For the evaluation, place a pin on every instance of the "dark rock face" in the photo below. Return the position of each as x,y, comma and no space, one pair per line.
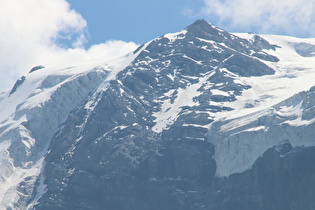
36,68
107,155
274,182
305,49
17,84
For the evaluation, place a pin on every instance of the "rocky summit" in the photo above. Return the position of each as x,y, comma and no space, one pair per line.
198,119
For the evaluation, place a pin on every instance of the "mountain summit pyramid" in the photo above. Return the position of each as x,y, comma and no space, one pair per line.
198,119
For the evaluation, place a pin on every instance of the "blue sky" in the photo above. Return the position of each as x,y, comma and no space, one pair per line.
138,20
50,32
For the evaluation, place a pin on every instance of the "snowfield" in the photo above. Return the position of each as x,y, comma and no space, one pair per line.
267,97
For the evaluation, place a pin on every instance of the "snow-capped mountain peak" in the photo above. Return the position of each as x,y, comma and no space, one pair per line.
182,122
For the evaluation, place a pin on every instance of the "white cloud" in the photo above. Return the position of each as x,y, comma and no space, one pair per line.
31,30
293,17
96,54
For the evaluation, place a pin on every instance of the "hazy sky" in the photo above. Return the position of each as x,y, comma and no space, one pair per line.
45,32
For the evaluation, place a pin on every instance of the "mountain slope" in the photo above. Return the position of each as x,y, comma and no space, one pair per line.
32,112
199,119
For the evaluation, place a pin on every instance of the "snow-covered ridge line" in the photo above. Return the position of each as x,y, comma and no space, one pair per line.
37,108
174,36
95,98
294,74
